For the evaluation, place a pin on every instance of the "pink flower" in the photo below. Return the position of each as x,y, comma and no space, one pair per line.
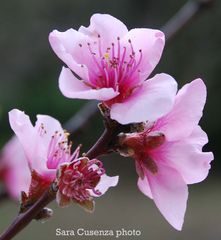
16,174
113,65
46,148
168,154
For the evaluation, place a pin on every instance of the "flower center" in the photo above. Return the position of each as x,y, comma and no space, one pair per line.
116,67
59,150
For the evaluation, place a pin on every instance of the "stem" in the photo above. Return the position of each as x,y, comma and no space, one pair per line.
100,147
105,142
23,219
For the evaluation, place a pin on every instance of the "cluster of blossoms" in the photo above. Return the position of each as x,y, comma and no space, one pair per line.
111,64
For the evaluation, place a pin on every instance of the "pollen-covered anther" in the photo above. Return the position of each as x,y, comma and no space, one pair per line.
106,56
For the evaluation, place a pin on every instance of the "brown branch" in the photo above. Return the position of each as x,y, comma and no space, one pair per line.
100,147
23,219
106,143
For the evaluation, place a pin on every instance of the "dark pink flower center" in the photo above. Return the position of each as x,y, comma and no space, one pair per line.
117,68
59,150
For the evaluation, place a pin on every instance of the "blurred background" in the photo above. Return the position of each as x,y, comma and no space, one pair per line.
29,73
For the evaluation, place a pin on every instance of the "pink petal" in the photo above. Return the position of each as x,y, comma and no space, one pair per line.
71,87
151,42
21,125
17,177
105,183
108,27
186,113
66,46
170,194
152,100
51,125
29,138
198,137
144,186
187,157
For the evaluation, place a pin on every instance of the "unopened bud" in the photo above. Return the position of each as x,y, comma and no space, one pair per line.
44,215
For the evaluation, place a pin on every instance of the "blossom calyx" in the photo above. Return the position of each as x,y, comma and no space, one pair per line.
136,144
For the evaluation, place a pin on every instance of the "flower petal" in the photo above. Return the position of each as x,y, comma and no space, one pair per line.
17,177
108,27
151,43
187,157
30,140
152,100
49,126
66,45
186,113
105,183
26,133
170,194
144,187
71,87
